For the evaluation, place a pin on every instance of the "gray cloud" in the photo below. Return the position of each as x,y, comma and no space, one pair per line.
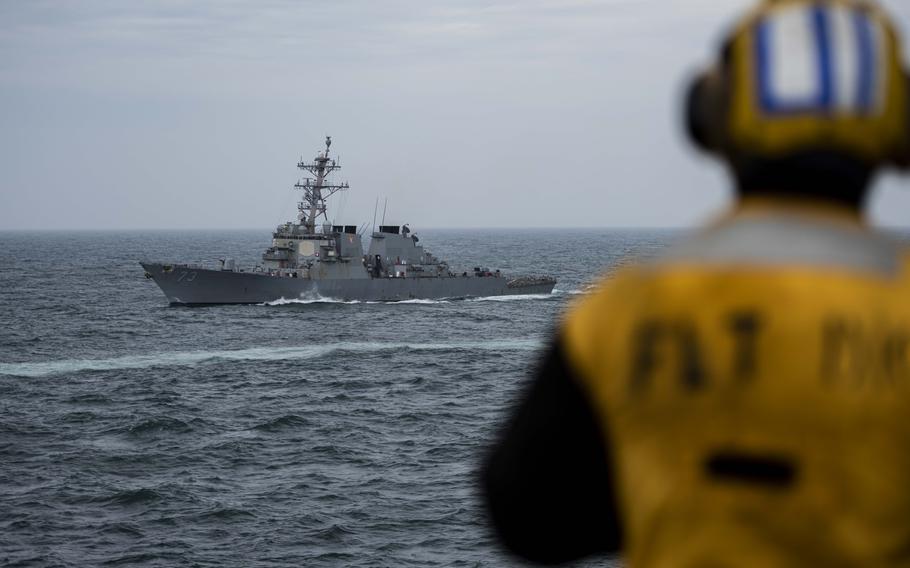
462,113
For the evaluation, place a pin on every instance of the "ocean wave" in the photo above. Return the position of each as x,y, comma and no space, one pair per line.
325,300
89,398
159,424
138,496
583,289
424,301
286,422
334,533
512,298
227,514
194,358
308,300
122,529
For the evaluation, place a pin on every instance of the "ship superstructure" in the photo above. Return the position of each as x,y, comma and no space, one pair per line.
315,258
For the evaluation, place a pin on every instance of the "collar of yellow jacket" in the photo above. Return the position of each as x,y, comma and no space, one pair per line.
795,208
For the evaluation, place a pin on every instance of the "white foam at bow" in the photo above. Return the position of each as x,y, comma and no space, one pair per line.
308,299
325,300
512,298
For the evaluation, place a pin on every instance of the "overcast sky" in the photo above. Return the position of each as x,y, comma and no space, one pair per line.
463,113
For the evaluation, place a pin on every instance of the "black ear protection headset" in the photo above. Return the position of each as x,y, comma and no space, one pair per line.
707,110
707,105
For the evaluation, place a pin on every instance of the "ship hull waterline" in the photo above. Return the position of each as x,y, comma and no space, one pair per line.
191,286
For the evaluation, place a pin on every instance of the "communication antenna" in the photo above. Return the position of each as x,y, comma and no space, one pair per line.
383,210
375,207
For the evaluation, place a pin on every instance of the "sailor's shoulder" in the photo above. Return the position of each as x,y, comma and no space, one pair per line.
613,298
617,283
905,263
789,240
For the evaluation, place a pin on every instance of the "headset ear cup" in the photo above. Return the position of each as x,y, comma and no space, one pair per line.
902,160
703,114
695,120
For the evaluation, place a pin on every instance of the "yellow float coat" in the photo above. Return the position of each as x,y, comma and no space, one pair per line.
781,336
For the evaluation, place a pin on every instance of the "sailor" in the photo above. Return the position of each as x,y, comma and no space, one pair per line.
743,400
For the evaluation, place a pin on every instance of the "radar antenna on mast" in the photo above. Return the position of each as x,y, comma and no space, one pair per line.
316,191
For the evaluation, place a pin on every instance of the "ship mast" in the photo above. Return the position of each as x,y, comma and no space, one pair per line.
316,191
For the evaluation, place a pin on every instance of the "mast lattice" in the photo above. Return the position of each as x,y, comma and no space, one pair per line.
316,191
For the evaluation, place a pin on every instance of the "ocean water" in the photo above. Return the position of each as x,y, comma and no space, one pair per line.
294,434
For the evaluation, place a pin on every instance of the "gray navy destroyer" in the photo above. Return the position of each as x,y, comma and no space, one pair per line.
310,261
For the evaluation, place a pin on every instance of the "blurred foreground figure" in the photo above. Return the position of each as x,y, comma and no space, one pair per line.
745,399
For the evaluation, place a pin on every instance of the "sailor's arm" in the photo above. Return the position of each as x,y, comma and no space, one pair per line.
547,482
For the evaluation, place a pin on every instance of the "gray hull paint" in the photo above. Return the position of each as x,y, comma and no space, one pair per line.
199,286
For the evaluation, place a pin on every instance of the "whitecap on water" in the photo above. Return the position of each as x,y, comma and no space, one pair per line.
308,300
193,358
512,298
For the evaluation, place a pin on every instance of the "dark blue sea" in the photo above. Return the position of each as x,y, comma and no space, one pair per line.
311,434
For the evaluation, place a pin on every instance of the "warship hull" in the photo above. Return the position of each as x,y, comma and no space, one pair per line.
194,286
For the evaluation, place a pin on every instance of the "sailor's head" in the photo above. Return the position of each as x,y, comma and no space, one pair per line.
808,97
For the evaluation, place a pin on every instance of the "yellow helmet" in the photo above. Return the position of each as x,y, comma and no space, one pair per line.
801,76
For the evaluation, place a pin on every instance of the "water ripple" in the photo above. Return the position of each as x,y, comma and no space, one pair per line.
308,434
194,358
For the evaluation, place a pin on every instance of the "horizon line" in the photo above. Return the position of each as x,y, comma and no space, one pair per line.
451,228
